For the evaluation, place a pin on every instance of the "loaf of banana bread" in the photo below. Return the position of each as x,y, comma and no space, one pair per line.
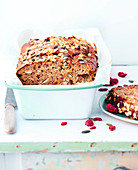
57,60
125,99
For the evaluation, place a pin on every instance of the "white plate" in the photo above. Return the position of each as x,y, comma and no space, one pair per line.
119,116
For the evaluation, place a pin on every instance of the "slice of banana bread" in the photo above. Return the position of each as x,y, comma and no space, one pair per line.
57,60
125,99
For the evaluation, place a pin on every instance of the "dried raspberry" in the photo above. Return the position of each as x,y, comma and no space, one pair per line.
122,74
111,108
89,122
63,123
98,119
93,127
113,81
102,89
112,128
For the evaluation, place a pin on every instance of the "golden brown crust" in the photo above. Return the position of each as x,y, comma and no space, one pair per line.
58,53
125,99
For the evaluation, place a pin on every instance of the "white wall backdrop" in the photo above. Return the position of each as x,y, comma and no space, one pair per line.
117,21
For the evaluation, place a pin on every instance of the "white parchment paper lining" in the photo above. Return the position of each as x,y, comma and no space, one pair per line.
92,35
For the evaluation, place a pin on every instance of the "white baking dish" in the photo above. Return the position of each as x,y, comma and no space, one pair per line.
62,101
43,103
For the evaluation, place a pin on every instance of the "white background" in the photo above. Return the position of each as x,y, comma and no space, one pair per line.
117,21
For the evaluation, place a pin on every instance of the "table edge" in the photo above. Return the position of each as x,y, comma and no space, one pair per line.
38,147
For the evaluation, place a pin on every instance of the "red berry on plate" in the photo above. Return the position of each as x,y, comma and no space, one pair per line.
111,108
89,122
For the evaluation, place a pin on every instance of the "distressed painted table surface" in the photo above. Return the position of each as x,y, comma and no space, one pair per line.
36,135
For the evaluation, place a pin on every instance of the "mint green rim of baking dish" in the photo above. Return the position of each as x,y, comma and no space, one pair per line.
37,88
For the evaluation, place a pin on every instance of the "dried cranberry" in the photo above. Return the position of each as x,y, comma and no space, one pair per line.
63,123
102,89
111,108
89,122
122,74
98,119
93,127
125,85
112,128
113,81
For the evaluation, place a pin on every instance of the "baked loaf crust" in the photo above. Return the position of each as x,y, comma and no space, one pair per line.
57,60
125,99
